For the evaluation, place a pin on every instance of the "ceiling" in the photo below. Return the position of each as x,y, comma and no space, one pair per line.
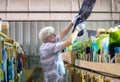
56,9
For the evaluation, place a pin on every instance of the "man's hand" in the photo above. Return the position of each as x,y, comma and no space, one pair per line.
73,21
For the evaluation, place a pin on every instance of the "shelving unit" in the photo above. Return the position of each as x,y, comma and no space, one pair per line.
111,68
88,69
9,46
3,35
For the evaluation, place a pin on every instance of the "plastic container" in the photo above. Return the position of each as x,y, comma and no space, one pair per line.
117,49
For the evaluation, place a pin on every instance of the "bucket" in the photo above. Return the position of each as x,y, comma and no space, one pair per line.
117,49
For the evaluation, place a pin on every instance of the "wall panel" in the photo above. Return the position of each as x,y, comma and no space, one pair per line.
17,5
2,5
37,6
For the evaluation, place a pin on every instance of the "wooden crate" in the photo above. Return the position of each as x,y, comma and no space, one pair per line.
108,79
69,57
33,75
9,40
1,46
77,75
117,58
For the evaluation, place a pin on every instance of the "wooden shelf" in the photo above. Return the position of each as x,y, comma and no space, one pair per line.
111,68
3,35
69,57
8,44
16,44
9,40
68,61
108,68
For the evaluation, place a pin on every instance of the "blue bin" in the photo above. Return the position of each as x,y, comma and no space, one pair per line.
117,49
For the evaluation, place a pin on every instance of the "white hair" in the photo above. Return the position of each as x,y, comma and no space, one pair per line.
44,32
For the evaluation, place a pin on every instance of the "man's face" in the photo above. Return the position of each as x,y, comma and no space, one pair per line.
52,38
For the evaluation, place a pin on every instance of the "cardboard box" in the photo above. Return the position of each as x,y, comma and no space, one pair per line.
5,28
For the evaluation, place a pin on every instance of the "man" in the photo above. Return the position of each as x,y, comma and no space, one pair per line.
51,61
